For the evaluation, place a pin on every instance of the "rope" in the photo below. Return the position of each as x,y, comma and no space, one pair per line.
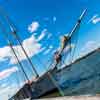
12,49
52,78
72,56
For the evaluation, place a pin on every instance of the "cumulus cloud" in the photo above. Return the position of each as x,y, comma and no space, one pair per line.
7,72
33,27
42,35
95,19
89,46
31,46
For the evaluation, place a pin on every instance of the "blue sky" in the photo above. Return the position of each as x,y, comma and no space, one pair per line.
40,23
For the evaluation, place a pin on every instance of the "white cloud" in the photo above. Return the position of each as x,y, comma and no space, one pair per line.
89,46
31,46
54,19
5,53
49,36
92,18
95,19
33,27
7,92
3,85
42,35
48,50
7,72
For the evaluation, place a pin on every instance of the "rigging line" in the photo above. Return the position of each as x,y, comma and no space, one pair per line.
18,60
40,61
70,35
17,37
73,52
76,26
52,79
14,33
50,64
10,45
78,22
56,84
18,54
21,70
37,58
17,78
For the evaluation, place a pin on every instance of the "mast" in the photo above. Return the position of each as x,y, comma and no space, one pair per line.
14,33
76,26
11,46
18,39
58,56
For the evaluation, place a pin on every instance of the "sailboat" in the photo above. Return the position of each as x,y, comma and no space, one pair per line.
59,82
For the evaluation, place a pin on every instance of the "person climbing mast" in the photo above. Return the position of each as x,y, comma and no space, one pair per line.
57,55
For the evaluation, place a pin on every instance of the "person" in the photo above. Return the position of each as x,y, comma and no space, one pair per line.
57,57
57,54
64,40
